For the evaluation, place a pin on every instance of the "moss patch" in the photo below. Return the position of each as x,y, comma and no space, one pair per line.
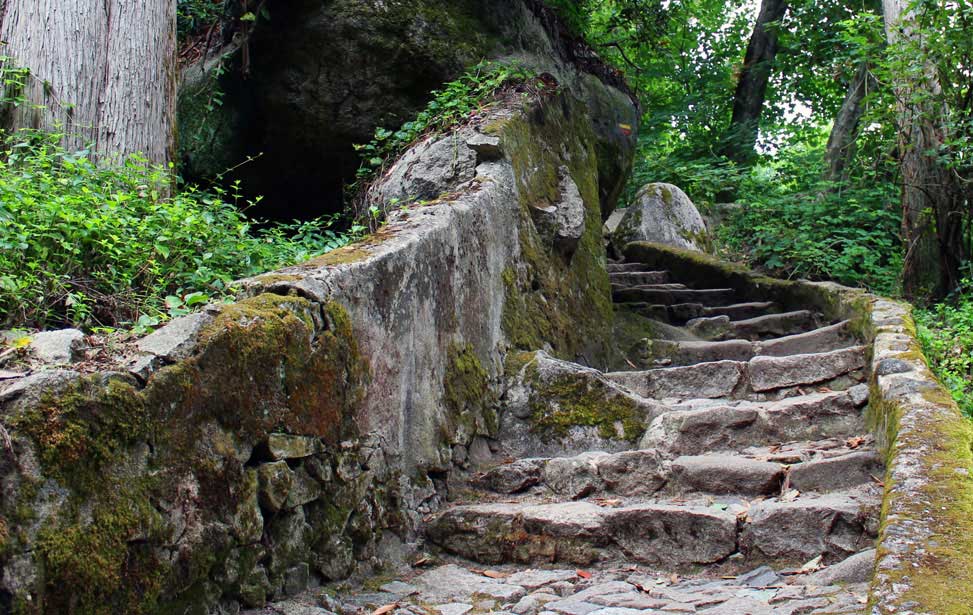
567,402
467,394
550,300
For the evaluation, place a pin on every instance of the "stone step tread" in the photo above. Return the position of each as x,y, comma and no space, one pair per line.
681,313
820,340
725,427
754,329
708,296
639,277
628,267
647,472
726,379
674,532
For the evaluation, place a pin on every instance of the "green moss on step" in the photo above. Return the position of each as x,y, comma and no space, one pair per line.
569,401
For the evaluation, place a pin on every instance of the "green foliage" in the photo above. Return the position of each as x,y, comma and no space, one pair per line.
193,16
795,225
946,333
86,245
454,103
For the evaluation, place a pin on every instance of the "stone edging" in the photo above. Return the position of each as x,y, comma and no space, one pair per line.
925,548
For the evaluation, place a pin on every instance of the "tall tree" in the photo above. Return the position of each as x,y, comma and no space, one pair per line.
841,142
101,71
932,213
751,90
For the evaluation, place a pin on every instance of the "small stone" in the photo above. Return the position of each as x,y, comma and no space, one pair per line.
276,480
573,607
454,608
760,577
532,579
285,446
304,489
296,579
616,611
399,588
177,339
487,147
888,367
57,347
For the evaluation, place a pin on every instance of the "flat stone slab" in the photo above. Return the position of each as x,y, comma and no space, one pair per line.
768,373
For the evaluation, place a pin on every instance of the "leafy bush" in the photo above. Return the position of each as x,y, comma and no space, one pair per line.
85,245
795,225
194,15
946,333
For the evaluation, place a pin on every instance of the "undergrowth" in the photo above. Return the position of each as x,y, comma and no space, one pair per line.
88,246
946,333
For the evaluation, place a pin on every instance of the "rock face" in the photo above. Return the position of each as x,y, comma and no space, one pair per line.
662,213
237,455
323,75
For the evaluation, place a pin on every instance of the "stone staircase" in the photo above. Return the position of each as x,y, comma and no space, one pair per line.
754,453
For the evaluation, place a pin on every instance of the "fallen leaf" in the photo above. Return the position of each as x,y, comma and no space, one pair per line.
388,608
422,561
493,574
811,566
674,578
790,496
824,390
583,574
854,442
607,503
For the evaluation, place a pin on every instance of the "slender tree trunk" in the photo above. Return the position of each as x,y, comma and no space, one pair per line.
932,218
102,71
748,101
841,144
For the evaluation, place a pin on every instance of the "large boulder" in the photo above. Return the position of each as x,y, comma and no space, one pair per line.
322,75
662,213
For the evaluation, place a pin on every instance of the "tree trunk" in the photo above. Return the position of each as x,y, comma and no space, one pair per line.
748,102
931,204
841,144
102,72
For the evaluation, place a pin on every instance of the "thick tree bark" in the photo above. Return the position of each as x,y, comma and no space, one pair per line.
748,101
841,143
102,71
931,202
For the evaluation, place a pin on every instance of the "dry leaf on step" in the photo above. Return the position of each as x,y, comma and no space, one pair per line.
388,608
493,574
790,496
854,442
811,566
583,574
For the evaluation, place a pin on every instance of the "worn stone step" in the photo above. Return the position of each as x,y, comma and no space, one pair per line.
742,311
673,533
683,353
724,427
835,525
712,379
628,267
638,278
837,472
581,533
664,296
753,329
760,377
673,353
724,474
767,373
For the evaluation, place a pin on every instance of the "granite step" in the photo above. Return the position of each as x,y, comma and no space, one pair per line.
673,532
682,353
639,278
666,296
716,328
758,377
735,425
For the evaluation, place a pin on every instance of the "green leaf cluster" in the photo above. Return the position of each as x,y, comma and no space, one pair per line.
946,334
87,245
